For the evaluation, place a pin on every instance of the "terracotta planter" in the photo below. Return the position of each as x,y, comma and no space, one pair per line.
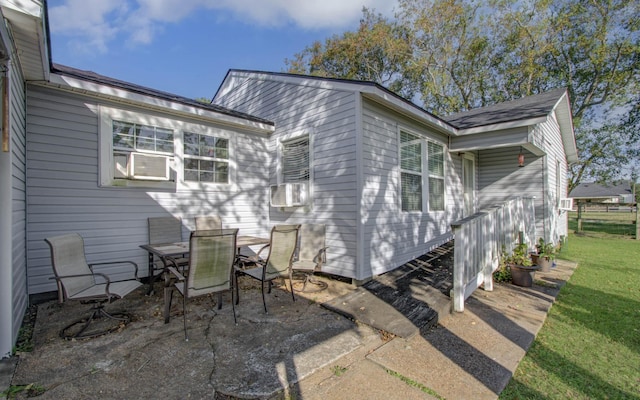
523,275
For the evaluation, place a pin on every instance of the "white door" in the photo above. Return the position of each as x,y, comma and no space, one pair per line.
469,184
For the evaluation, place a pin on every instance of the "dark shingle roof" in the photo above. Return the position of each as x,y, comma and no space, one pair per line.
596,190
521,109
131,87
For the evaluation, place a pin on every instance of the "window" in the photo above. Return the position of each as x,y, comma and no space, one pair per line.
435,157
133,137
295,160
413,175
411,171
206,158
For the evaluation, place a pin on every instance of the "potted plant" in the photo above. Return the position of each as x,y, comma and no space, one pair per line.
545,256
521,267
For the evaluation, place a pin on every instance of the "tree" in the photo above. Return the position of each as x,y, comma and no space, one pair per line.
377,52
460,54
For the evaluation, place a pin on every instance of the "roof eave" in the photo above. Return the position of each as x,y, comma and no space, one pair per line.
120,95
369,90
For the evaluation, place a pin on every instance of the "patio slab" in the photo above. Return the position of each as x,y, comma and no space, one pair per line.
262,355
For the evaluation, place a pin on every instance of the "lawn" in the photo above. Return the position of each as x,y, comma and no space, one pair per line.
617,223
589,346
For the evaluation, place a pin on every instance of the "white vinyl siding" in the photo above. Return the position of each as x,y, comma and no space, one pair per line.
14,294
391,236
328,117
63,195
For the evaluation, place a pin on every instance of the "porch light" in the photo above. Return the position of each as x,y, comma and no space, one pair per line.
520,158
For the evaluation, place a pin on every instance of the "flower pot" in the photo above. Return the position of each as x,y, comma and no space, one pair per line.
544,263
523,275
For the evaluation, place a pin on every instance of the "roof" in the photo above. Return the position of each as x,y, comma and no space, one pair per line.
529,107
591,190
369,89
131,87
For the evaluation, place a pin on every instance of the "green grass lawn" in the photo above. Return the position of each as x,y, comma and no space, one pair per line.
615,223
589,346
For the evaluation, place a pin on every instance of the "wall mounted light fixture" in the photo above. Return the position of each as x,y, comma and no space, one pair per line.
521,158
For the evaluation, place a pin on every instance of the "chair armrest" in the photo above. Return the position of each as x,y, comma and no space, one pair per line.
135,266
261,250
177,273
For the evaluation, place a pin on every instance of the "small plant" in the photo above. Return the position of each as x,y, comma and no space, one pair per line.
30,390
519,256
546,249
503,273
338,370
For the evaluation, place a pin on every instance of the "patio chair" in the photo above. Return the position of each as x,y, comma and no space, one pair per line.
212,255
281,247
163,230
77,280
208,223
311,255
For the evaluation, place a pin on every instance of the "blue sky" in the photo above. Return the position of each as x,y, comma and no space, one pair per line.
187,46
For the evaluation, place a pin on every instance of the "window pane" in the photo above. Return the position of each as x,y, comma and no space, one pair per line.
407,137
436,194
206,177
144,143
436,159
123,135
206,165
411,157
295,161
190,175
191,147
411,192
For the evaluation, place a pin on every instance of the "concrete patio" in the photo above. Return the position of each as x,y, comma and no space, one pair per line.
299,350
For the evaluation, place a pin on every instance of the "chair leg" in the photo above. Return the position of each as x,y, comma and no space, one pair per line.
264,301
235,284
233,307
168,296
293,296
184,317
97,311
219,300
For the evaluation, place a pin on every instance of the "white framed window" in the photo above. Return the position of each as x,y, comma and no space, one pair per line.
410,171
138,150
435,157
206,158
421,173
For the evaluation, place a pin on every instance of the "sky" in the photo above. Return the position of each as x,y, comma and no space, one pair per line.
186,47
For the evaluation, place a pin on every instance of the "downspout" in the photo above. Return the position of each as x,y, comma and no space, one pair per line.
5,109
544,198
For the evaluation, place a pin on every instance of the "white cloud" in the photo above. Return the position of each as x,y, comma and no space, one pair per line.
96,22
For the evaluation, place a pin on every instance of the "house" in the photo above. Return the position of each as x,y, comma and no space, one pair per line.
390,178
595,193
89,154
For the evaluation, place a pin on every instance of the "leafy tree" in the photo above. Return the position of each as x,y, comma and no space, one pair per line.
456,55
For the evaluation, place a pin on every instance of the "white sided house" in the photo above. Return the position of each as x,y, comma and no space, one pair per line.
388,178
85,153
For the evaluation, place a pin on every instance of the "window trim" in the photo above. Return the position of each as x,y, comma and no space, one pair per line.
105,150
280,155
425,172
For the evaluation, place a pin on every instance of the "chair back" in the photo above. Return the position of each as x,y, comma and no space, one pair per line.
165,230
208,223
312,241
282,246
67,258
211,258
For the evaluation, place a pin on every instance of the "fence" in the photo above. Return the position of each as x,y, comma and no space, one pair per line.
605,220
479,240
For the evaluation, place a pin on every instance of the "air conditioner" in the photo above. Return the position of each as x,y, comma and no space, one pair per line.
290,195
148,167
566,204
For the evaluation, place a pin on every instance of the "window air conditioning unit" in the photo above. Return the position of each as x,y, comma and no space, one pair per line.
148,167
566,204
290,195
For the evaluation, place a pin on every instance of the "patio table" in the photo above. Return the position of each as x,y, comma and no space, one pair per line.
178,249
